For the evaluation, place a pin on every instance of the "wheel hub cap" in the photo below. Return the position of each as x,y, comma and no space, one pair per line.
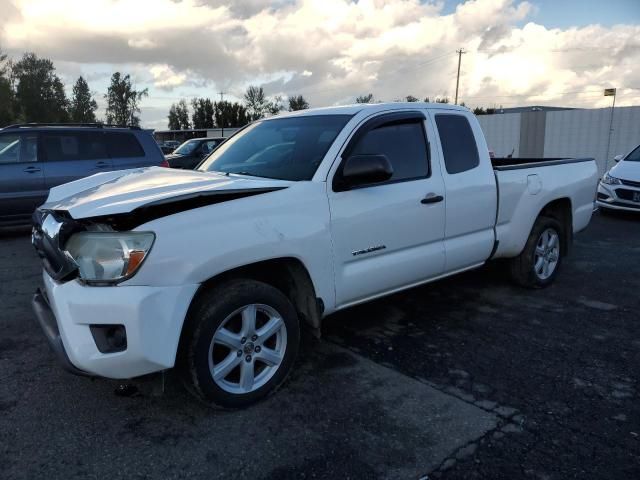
547,253
247,348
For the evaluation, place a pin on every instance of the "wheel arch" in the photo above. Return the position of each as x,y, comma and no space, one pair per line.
287,274
561,210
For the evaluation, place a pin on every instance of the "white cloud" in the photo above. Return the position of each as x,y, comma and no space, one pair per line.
165,78
332,50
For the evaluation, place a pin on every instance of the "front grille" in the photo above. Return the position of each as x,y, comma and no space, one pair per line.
630,183
50,232
625,194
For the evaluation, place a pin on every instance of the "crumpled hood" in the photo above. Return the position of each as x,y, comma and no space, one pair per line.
122,191
626,170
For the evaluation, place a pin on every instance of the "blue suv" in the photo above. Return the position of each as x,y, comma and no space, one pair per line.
36,157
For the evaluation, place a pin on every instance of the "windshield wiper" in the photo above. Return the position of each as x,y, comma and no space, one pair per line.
249,174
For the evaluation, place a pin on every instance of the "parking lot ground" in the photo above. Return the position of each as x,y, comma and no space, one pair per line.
565,358
465,378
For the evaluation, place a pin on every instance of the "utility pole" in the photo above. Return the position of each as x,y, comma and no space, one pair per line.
459,52
221,113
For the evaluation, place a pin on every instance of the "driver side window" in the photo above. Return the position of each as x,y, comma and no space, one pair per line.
403,143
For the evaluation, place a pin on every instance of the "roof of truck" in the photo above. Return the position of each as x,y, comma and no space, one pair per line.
372,107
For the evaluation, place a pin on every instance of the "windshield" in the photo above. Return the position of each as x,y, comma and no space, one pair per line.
284,148
187,147
633,156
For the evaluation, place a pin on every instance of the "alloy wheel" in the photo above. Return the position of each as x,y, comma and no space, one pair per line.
247,348
547,254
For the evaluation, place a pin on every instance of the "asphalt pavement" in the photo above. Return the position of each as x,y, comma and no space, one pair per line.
469,377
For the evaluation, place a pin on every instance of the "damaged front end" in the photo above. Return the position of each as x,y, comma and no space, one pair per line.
58,238
49,234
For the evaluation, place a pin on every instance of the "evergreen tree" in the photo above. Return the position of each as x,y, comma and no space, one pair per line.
82,108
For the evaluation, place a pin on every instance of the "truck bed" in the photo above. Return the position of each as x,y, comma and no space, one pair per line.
526,185
510,163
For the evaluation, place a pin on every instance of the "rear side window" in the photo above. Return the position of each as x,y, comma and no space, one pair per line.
458,143
123,145
404,144
70,146
18,148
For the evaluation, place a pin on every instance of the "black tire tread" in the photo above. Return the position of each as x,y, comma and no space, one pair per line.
521,267
208,305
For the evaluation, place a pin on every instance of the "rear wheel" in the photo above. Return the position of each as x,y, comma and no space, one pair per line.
240,343
538,264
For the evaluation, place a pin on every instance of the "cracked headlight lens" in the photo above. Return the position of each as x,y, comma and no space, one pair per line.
109,257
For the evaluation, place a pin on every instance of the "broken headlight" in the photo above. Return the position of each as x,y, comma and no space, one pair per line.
109,257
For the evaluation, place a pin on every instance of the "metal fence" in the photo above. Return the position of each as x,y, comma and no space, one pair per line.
564,133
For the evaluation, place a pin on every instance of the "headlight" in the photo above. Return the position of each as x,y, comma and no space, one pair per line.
609,180
109,257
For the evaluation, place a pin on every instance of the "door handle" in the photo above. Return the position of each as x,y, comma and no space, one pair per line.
432,198
102,165
31,170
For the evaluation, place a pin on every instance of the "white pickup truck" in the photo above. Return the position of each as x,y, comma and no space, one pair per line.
292,218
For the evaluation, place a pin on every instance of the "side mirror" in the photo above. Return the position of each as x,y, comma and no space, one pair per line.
617,158
365,169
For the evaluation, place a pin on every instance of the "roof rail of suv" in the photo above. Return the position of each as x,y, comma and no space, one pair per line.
92,125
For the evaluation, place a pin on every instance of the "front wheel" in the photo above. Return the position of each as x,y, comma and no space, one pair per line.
241,342
538,264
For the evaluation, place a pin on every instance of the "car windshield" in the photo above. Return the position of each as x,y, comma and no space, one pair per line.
187,147
633,156
282,148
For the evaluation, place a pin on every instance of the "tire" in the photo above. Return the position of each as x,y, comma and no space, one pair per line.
526,269
225,312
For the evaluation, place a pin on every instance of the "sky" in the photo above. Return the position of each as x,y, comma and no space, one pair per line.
536,52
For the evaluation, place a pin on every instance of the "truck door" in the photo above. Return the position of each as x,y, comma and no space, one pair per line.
470,190
388,235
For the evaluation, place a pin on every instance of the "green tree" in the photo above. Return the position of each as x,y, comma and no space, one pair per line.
174,123
230,115
297,102
202,115
82,108
7,99
179,116
365,98
39,94
276,105
256,102
411,98
182,109
123,101
442,99
479,111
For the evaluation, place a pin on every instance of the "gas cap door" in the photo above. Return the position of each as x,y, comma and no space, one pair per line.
534,184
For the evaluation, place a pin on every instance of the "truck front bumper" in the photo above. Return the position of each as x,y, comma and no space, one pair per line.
152,318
